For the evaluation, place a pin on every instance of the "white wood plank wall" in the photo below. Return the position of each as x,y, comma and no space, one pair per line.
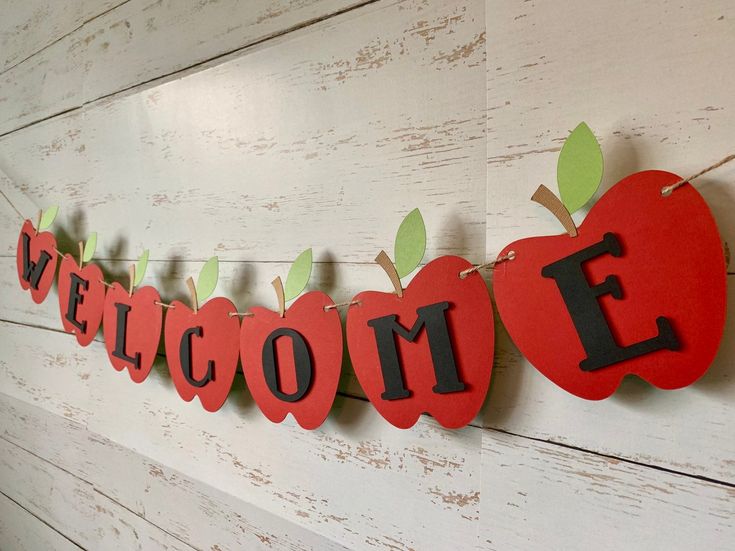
253,130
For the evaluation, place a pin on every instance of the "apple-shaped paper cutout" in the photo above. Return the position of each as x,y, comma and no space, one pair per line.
427,348
202,343
292,362
655,269
81,294
132,324
36,257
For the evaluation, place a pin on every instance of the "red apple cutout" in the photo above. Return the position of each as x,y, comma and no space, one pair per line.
427,348
640,289
292,358
132,324
36,258
202,343
81,293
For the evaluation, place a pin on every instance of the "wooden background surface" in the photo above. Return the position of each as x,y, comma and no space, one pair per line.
256,129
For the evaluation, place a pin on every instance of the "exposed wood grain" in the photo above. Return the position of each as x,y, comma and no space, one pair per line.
417,488
74,507
28,26
297,144
538,492
21,531
139,41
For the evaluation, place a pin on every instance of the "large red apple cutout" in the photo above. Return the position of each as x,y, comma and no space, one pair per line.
36,258
81,293
202,344
427,348
132,324
292,358
640,289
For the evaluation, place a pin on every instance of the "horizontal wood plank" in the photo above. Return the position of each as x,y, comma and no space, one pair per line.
418,488
539,494
326,137
202,516
74,507
22,531
29,26
138,41
526,491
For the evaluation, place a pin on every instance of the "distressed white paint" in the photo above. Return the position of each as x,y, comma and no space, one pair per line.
326,136
327,127
21,531
29,27
139,41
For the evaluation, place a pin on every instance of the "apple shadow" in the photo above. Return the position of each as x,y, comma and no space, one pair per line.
452,240
506,381
238,285
325,278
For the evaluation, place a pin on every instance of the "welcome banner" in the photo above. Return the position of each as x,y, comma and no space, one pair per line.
638,288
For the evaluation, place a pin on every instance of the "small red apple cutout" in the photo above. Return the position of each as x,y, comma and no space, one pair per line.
639,288
81,293
132,324
427,348
36,258
202,343
292,358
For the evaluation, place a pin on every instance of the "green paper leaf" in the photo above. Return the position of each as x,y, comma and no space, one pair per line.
140,268
579,169
410,243
207,279
48,217
89,247
298,275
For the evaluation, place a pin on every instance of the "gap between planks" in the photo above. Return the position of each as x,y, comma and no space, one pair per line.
72,31
145,83
39,519
94,488
471,424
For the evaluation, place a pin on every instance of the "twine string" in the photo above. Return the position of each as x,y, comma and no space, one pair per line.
348,303
509,256
668,190
241,314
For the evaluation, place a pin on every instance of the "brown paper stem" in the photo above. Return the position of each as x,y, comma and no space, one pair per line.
386,263
545,197
193,294
38,223
81,254
278,286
